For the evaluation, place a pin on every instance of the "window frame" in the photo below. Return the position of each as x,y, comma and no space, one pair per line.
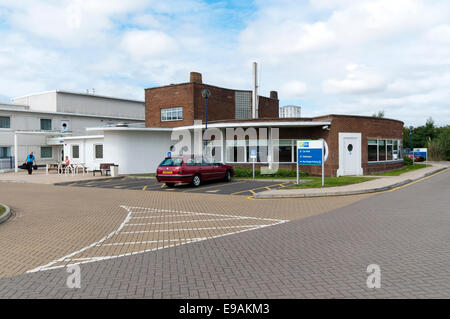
51,152
6,147
51,124
71,151
387,141
174,114
95,152
9,122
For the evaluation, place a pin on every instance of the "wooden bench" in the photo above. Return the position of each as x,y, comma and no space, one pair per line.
104,168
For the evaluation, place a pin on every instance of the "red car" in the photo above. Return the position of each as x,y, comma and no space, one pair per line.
416,158
194,170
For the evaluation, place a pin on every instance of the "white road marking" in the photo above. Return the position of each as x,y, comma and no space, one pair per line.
150,242
187,229
178,242
182,221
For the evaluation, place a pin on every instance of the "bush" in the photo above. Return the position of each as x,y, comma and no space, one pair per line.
248,172
407,160
439,148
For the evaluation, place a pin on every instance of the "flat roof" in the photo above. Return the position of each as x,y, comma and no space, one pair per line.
80,93
259,124
69,114
216,125
128,128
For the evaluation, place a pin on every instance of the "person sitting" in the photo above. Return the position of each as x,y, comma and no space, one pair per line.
67,161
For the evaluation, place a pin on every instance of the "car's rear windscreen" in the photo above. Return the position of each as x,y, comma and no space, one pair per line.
172,162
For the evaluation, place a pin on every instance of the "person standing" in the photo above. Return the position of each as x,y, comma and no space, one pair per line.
30,160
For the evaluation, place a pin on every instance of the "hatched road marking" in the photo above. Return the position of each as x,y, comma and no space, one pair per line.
181,227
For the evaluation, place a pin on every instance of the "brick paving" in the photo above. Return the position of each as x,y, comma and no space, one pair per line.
51,222
406,232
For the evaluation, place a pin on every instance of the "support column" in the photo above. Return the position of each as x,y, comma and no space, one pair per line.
16,165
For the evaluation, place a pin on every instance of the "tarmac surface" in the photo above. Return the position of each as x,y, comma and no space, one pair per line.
235,187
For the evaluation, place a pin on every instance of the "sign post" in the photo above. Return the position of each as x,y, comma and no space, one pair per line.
253,157
422,152
310,152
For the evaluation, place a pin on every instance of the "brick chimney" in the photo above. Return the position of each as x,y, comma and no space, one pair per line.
196,77
274,95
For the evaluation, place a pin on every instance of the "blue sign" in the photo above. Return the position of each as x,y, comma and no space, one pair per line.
309,156
169,154
422,152
252,153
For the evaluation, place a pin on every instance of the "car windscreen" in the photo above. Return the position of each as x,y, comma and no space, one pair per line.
172,162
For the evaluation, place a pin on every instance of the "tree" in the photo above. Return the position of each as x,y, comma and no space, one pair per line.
380,114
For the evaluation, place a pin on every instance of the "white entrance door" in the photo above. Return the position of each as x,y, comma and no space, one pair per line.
349,154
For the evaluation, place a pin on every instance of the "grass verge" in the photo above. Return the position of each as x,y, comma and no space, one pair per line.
2,210
316,182
400,171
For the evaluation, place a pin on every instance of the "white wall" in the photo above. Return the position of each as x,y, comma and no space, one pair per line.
68,102
40,102
97,105
136,152
86,152
30,121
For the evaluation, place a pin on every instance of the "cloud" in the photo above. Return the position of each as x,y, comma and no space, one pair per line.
293,89
148,44
359,80
351,57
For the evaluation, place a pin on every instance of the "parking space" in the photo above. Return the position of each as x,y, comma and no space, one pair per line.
235,187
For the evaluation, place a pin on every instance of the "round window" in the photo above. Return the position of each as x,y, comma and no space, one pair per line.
350,147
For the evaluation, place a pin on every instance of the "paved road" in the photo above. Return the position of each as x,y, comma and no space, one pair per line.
406,232
235,187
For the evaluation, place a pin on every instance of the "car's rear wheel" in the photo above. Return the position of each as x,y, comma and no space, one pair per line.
227,176
170,185
196,180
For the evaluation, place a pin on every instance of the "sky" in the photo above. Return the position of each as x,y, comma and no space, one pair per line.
328,56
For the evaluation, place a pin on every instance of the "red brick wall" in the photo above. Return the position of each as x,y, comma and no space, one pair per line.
167,97
267,107
221,104
368,127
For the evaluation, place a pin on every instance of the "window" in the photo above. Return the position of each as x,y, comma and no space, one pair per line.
389,149
5,122
373,154
261,151
381,150
5,151
384,150
236,151
243,104
46,124
172,114
173,161
99,151
46,152
75,151
285,151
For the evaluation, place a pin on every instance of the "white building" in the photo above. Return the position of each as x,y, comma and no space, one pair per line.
290,111
42,122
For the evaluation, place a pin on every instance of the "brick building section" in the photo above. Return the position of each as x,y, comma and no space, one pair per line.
221,103
221,109
369,127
